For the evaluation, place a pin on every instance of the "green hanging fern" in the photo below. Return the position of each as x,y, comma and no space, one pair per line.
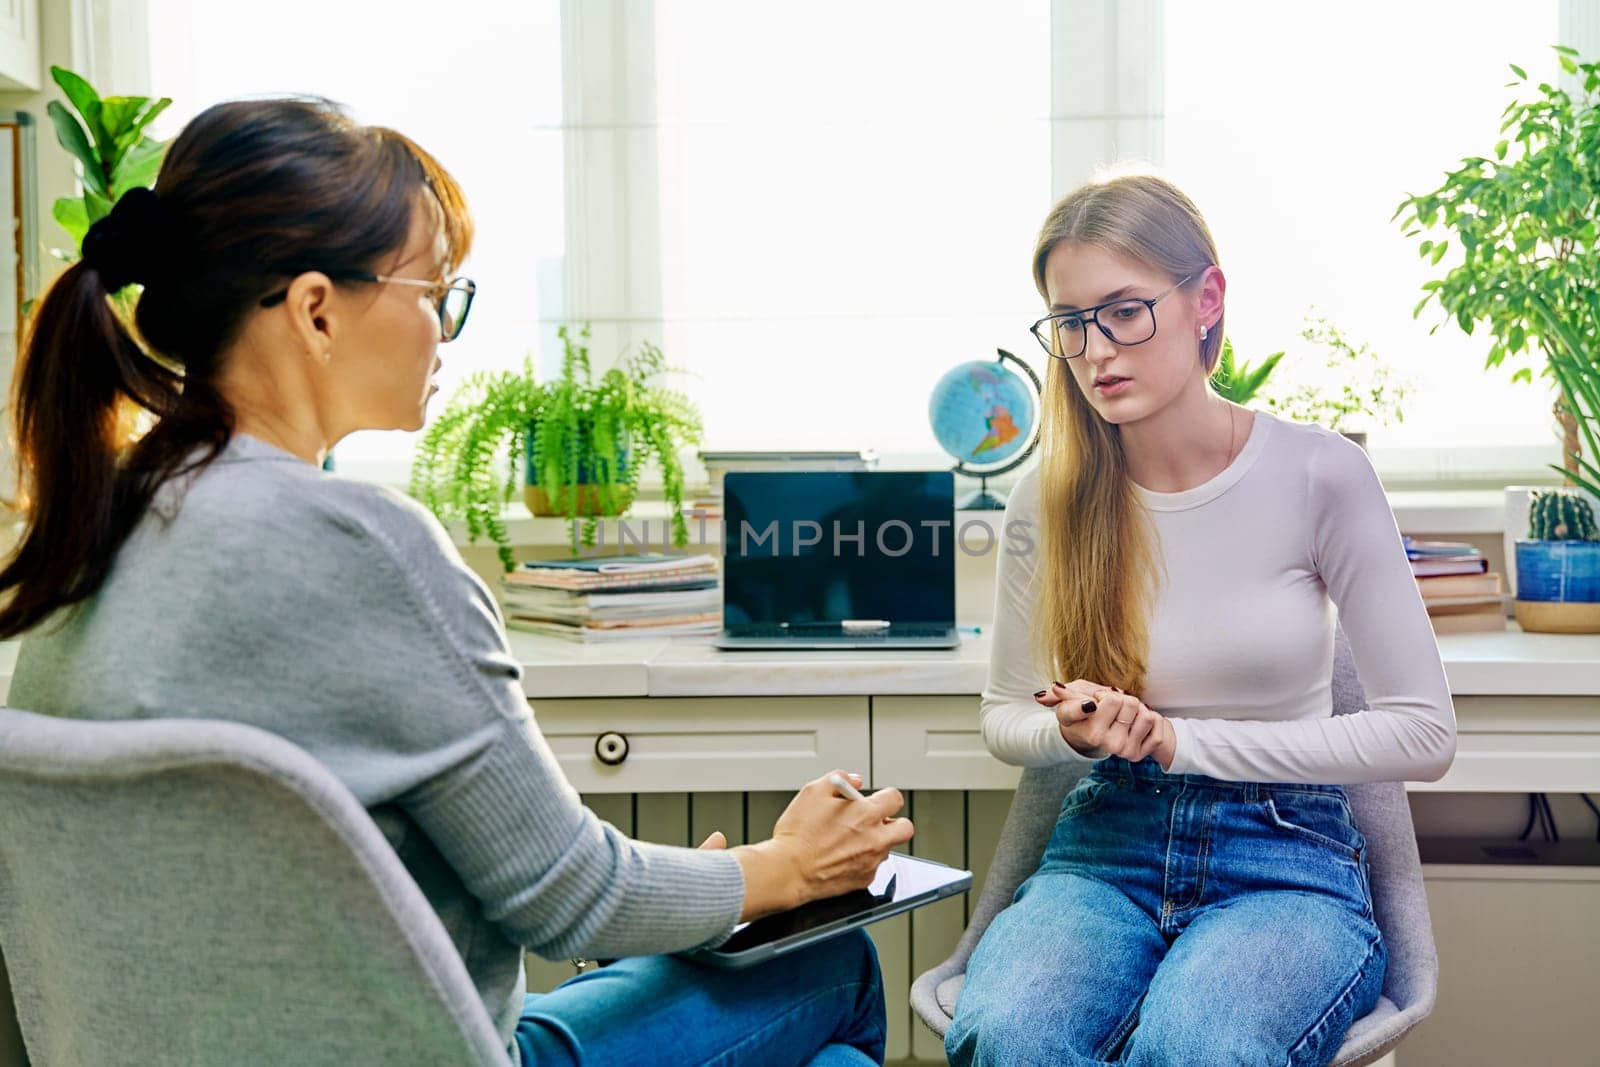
469,463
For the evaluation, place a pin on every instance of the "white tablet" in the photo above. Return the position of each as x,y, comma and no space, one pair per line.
902,883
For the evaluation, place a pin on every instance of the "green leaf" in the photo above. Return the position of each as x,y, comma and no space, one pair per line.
1438,252
88,103
73,216
118,111
1525,374
1568,65
76,142
1518,71
81,94
139,166
1500,149
134,133
1565,49
98,206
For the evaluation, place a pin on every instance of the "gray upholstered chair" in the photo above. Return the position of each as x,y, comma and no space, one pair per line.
1381,814
207,892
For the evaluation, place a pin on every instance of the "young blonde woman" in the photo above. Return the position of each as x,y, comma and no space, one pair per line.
1181,562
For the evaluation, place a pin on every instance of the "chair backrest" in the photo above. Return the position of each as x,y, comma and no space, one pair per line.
192,891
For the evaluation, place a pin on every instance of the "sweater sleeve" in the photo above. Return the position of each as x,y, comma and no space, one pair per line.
494,801
1015,728
1408,730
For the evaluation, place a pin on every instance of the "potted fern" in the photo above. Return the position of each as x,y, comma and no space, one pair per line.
574,446
1558,566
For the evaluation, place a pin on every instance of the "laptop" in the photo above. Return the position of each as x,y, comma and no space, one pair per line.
838,559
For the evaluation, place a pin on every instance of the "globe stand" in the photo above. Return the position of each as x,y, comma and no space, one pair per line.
981,499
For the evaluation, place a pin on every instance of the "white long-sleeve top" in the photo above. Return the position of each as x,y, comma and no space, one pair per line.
1260,563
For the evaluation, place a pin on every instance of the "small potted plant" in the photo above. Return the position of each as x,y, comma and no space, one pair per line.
1367,394
574,446
1558,566
1240,382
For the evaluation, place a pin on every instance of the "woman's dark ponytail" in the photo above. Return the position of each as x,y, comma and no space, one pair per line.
80,383
250,193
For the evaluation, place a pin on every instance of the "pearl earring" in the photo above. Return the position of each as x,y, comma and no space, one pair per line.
1202,333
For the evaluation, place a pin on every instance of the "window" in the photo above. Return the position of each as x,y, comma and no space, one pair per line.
480,91
1297,129
849,195
818,210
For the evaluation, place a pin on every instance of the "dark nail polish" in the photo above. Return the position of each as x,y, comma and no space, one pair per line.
1058,683
1041,693
1089,705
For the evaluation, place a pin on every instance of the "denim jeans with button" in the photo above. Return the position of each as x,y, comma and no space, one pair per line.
1179,920
820,1006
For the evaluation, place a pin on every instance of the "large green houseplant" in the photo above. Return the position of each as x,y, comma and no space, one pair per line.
580,442
107,137
1524,225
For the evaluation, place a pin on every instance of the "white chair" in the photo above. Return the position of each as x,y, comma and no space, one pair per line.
1399,902
197,891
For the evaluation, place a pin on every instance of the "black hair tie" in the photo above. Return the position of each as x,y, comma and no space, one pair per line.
123,247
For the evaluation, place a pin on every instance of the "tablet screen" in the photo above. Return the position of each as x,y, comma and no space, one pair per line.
899,878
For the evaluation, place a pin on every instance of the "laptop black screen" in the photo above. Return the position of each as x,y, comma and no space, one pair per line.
817,547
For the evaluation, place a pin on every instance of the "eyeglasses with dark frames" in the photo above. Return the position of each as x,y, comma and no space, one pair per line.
452,301
1128,321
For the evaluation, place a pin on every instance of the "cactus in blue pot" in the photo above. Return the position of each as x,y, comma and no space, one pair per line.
1558,515
1558,565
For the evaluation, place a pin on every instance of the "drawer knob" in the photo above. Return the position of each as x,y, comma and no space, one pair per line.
611,748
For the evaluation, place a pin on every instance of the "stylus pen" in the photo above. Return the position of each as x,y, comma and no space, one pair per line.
843,784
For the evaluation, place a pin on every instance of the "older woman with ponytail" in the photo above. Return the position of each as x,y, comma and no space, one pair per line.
184,555
1165,615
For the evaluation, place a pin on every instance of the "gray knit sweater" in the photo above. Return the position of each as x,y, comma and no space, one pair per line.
339,615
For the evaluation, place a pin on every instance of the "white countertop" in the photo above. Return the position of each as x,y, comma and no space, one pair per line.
1511,662
1508,663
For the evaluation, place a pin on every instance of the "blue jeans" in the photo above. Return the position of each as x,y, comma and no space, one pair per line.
822,1006
1179,919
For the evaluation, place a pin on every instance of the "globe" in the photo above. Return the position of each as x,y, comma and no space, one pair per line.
984,413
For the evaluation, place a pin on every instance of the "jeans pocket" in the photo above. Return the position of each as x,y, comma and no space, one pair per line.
1322,818
1086,796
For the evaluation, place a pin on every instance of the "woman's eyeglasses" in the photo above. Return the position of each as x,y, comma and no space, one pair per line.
1129,321
452,298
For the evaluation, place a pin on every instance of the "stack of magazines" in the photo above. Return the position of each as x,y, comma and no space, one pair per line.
609,598
1461,593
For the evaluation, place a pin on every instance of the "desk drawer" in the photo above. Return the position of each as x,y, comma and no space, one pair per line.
1535,744
725,744
932,742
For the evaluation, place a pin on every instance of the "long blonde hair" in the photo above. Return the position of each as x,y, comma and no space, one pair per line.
1099,570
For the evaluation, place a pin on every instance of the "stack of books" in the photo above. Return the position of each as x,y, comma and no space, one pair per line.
610,598
1461,593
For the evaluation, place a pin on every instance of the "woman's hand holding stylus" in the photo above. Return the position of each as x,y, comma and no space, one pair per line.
1100,721
824,844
